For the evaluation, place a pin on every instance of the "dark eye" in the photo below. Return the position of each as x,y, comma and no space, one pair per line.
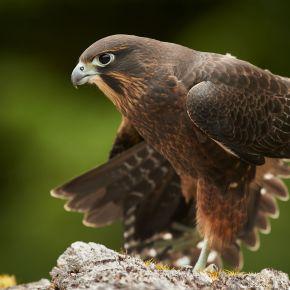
103,59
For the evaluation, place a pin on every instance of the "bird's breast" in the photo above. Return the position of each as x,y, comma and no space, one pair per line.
189,150
159,115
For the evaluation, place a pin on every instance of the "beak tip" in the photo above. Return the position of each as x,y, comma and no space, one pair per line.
81,76
77,76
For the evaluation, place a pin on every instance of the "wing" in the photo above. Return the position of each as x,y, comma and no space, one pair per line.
138,186
242,107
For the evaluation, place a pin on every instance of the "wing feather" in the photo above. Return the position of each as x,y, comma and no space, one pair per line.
244,108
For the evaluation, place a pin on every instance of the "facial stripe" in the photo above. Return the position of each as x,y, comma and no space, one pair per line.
114,83
107,90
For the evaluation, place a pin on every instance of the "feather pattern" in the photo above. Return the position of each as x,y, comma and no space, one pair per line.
245,108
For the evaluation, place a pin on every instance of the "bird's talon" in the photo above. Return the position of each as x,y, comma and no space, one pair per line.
211,268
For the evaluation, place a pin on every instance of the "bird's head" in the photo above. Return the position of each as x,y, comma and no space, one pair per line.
120,65
127,68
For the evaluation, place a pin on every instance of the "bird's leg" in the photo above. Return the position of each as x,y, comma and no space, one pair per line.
202,259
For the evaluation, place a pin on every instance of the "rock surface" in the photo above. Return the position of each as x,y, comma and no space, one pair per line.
42,284
93,266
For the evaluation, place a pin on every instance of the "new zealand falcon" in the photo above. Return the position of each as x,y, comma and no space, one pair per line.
200,149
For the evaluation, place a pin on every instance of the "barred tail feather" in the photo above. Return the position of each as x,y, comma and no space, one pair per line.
265,190
268,188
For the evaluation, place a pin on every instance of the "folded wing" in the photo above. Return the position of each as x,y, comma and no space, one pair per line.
244,108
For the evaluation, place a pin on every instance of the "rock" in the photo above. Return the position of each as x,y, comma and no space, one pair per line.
93,266
42,284
266,279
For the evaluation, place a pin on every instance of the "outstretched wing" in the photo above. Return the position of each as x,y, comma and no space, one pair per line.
244,108
138,186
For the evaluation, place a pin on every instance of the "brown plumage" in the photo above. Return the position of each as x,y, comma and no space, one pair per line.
195,147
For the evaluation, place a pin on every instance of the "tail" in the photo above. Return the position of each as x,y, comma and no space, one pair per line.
266,189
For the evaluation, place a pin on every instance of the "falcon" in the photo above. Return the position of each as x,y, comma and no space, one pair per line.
194,171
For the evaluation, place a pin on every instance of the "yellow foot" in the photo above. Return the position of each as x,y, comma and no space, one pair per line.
211,268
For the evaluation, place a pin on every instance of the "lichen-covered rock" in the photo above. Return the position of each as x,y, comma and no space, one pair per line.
93,266
266,279
42,284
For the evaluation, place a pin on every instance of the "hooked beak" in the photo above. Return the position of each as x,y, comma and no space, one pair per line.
82,73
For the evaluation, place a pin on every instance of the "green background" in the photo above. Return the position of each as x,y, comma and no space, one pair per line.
51,132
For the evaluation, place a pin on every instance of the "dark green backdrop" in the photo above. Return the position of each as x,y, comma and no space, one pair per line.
51,132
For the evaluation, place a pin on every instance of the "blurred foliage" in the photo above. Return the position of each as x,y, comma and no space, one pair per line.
7,281
51,132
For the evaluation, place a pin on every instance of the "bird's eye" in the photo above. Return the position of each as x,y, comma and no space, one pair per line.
103,59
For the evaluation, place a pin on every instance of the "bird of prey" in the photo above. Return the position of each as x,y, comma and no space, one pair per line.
201,149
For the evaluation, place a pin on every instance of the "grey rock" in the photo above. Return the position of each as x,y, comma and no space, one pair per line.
266,279
93,266
42,284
